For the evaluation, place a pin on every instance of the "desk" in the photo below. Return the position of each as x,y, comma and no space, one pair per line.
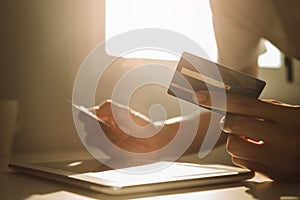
20,186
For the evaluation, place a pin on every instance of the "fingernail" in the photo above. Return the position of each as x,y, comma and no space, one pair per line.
222,126
222,121
199,97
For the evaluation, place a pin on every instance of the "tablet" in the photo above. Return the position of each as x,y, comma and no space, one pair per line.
163,175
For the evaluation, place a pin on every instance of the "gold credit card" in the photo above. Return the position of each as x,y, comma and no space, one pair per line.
194,73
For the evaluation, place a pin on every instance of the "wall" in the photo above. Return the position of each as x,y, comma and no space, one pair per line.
43,42
277,85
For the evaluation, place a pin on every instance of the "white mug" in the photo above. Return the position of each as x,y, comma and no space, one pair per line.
9,123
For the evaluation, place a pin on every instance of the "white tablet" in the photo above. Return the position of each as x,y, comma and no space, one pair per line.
164,175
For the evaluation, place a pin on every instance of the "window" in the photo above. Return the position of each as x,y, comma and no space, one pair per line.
191,18
272,58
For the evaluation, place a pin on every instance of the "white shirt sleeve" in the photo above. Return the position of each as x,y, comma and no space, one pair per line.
239,45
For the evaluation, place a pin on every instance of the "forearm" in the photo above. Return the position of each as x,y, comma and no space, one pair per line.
204,122
252,71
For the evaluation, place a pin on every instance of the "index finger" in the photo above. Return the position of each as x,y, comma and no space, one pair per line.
238,104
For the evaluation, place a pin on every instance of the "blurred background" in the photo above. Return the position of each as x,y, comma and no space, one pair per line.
43,43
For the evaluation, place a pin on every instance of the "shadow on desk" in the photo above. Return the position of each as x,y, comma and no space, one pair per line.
273,190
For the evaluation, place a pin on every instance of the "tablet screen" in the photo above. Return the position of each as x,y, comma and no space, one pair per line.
163,172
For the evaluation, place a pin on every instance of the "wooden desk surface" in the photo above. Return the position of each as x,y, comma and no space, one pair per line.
20,186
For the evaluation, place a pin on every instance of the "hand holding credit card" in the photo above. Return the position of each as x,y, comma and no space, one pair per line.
198,74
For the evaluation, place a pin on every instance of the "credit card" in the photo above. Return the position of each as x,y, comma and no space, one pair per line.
194,73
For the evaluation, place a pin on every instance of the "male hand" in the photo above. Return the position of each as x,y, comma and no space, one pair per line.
130,132
263,135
